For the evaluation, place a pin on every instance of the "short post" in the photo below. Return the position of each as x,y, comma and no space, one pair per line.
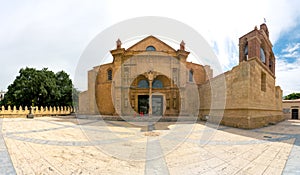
30,115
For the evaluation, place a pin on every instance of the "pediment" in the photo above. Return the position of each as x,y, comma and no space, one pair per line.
151,41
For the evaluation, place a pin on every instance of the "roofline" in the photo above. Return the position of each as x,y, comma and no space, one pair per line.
151,36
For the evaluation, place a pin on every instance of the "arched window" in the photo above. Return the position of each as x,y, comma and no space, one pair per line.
109,74
157,84
150,48
143,84
191,75
262,55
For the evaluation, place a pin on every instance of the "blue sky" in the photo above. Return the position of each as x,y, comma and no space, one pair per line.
287,47
54,33
287,53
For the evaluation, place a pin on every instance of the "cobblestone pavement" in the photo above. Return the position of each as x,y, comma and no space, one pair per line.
66,145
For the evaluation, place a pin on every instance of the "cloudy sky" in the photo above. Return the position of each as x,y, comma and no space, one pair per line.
54,33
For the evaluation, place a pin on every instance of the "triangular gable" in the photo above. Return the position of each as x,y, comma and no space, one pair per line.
151,41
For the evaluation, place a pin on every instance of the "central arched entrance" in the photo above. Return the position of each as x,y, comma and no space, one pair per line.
154,94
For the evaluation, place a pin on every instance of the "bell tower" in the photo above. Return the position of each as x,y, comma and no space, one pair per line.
256,44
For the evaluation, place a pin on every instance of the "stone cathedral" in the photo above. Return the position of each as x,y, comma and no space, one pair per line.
151,78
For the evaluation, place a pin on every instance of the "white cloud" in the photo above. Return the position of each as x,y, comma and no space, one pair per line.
287,76
290,55
291,47
54,33
46,34
220,22
291,51
288,70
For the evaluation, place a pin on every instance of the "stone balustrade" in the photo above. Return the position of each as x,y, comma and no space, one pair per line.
36,111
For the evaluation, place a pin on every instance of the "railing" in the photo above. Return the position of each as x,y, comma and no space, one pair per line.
36,111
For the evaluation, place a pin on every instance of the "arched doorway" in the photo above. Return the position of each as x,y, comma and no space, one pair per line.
164,95
295,113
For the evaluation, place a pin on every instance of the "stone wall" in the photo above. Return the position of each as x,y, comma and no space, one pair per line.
87,100
37,111
84,102
102,93
250,102
109,95
128,66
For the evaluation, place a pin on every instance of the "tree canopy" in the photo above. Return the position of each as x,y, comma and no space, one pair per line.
39,88
292,96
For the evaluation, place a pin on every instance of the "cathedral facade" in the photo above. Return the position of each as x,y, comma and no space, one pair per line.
151,78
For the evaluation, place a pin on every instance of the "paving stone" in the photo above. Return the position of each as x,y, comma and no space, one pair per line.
62,146
6,166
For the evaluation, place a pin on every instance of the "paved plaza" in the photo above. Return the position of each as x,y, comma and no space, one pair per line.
68,145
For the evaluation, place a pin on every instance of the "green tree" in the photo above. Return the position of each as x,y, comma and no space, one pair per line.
64,93
39,88
292,96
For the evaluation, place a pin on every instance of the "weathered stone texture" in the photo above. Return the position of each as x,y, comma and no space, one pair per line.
244,97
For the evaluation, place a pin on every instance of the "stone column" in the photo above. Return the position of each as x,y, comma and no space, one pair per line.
150,78
150,75
150,97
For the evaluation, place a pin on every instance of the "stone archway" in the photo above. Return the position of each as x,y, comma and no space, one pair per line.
160,92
